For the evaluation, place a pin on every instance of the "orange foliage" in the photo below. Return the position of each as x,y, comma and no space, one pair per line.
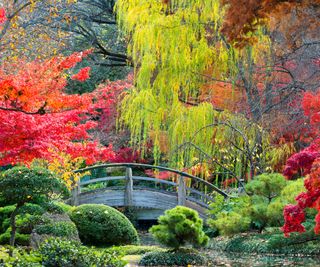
244,16
223,96
39,86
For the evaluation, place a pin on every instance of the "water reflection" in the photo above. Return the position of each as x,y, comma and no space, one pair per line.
246,260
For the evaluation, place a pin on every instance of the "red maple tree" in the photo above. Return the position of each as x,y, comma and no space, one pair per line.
39,120
307,162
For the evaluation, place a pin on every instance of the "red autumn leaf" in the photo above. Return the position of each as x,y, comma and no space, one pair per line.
82,75
3,16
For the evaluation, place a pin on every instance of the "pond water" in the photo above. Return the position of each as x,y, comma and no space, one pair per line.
246,260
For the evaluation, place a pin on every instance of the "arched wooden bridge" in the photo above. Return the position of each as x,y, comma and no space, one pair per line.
149,196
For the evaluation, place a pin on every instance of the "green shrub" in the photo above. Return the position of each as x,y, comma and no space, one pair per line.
177,258
29,217
268,194
230,223
5,213
26,223
287,196
62,253
64,207
34,209
21,258
58,229
52,207
268,185
103,225
131,214
21,239
178,227
258,212
230,216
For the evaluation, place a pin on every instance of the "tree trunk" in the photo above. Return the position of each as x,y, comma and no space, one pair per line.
13,224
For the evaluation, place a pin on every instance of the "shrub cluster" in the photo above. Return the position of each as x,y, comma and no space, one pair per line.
134,250
177,258
31,218
56,252
62,253
103,225
58,229
29,215
21,185
268,195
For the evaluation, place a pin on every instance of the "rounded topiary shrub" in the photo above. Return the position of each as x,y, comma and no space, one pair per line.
103,225
178,227
173,258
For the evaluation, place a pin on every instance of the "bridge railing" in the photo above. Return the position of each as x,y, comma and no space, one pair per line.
186,186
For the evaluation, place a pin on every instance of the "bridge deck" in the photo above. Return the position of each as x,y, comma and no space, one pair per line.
149,201
153,203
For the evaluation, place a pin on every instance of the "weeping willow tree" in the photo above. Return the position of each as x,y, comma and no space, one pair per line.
173,44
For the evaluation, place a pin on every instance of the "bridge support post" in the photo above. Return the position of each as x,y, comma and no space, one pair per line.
75,194
181,192
129,188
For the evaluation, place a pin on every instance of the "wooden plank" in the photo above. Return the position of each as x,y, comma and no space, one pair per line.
195,191
103,179
181,192
148,214
151,179
129,188
75,192
202,204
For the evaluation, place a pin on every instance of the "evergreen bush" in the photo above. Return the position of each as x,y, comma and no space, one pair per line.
102,225
21,185
268,195
178,227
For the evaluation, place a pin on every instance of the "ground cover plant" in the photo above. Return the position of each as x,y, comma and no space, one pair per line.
56,252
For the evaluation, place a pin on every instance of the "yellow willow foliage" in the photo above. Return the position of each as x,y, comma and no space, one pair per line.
63,166
172,46
279,154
